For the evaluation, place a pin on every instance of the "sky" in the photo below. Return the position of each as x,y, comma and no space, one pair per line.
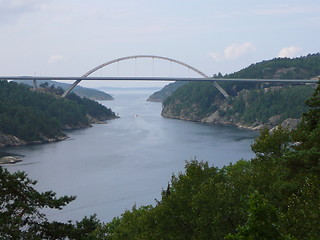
68,38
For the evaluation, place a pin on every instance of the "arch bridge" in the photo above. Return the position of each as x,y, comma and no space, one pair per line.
204,77
223,92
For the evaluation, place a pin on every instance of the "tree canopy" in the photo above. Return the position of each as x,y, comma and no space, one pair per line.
21,214
304,67
275,195
35,116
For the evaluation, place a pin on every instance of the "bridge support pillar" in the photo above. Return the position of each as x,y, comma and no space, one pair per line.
35,85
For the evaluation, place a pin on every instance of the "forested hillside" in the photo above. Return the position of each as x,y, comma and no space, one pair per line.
274,196
80,91
279,68
39,116
165,92
304,67
252,105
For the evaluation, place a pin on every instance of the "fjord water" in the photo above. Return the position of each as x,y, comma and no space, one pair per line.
110,167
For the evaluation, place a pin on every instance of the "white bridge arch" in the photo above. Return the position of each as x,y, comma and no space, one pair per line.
145,56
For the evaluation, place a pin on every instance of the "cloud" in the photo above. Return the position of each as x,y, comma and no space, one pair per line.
216,56
234,51
292,51
56,58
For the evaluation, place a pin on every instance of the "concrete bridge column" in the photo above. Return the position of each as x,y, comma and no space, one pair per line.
35,85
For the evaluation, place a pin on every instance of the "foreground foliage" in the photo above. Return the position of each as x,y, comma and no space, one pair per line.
21,216
274,196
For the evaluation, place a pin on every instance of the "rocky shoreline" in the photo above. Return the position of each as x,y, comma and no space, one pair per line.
214,118
7,141
10,159
13,141
272,123
10,141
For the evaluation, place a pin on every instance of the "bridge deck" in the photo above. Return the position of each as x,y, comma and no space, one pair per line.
157,79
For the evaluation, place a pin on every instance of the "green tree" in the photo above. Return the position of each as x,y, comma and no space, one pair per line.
37,116
303,212
262,222
21,204
272,145
306,158
21,214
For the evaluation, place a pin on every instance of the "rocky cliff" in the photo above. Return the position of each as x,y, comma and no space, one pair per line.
251,105
13,141
251,109
216,118
10,141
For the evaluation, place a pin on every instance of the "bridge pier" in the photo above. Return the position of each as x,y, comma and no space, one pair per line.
35,85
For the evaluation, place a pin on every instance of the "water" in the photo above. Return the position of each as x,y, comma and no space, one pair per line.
110,167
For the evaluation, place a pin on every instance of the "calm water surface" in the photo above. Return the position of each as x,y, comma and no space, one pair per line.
110,167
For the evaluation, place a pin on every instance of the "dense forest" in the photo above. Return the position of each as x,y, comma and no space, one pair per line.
274,196
39,116
262,104
304,67
193,100
249,103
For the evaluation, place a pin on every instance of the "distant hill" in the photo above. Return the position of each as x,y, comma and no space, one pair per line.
80,91
165,92
305,67
250,104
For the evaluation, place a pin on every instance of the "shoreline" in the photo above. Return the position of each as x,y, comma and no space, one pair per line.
289,123
11,159
10,141
226,123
